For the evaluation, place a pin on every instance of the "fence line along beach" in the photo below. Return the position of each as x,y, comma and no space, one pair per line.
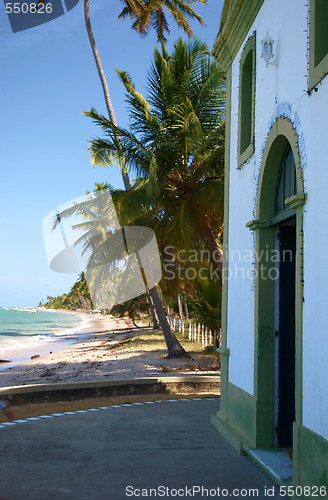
111,349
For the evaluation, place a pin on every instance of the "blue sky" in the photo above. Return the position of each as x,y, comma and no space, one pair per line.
48,77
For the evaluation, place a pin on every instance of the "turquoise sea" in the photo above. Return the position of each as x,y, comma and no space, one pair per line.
25,330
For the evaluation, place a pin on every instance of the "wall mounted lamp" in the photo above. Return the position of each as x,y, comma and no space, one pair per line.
267,50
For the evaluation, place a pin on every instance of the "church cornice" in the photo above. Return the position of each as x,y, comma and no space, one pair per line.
236,19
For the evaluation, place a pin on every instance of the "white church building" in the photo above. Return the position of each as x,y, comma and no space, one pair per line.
274,345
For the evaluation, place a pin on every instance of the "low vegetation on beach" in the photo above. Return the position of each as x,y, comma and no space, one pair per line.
116,351
147,341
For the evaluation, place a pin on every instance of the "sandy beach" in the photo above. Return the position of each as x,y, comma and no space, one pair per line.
99,357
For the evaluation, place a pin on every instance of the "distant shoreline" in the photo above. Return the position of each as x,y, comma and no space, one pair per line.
80,331
41,369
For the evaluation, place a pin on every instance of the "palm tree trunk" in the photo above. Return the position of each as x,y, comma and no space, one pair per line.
174,348
186,309
167,308
103,80
180,307
212,245
152,312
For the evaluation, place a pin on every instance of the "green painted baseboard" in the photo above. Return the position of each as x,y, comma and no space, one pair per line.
242,413
310,459
228,433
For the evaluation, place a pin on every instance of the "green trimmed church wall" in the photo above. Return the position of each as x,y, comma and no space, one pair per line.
246,421
242,412
310,458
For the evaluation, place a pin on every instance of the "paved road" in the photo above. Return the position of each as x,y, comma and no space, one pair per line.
162,450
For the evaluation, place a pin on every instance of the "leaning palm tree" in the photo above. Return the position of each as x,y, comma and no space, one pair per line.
180,10
175,145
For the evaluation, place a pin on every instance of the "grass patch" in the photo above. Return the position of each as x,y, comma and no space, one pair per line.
149,340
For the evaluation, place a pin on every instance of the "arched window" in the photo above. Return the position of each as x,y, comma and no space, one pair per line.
286,184
247,72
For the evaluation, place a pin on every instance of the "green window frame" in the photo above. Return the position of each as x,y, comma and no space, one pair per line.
318,42
247,81
286,185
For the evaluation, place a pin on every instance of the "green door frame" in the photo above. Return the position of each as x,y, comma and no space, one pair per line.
245,420
282,133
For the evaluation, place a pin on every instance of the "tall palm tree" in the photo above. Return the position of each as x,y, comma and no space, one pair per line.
179,9
175,145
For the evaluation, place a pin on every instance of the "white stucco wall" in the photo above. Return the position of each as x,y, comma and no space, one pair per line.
315,309
241,314
287,25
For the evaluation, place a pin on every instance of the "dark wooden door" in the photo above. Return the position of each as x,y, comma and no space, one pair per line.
286,332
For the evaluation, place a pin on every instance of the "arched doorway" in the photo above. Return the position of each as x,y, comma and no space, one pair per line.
284,222
278,288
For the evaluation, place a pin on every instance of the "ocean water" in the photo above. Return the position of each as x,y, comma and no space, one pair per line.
26,330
